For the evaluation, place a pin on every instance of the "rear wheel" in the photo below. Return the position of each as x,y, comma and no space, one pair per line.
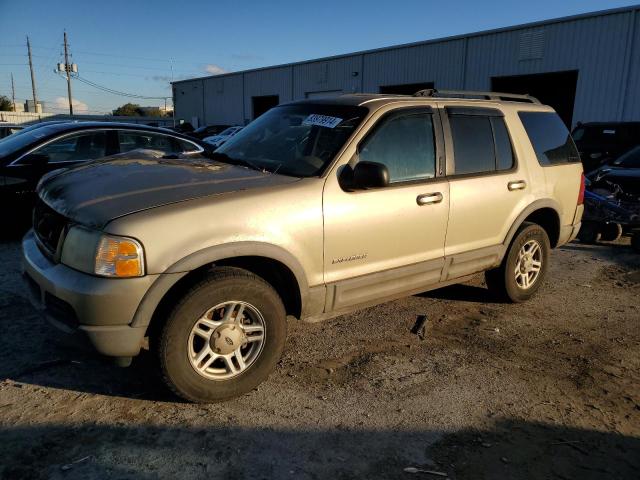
524,266
223,338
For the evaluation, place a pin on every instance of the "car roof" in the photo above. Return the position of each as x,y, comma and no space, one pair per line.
373,100
76,126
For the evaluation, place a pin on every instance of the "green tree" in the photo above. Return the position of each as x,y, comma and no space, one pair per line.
5,104
128,110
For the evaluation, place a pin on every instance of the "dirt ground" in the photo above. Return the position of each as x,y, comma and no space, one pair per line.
549,389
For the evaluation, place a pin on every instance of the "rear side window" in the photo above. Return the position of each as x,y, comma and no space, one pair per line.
480,143
131,140
549,137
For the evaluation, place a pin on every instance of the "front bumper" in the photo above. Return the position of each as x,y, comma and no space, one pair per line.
101,308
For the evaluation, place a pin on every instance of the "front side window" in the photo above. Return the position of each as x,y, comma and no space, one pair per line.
148,140
549,137
76,148
296,140
405,145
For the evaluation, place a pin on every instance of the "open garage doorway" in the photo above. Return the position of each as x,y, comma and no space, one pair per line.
405,89
263,103
557,89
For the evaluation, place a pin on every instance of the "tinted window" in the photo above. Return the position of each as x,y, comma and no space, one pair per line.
472,144
27,137
187,146
405,145
74,148
153,141
549,137
504,151
298,140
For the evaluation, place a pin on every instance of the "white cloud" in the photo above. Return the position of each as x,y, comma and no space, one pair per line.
214,69
62,103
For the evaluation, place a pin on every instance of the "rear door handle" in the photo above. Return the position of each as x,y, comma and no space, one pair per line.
429,198
516,185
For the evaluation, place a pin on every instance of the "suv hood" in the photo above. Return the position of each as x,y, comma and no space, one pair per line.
100,191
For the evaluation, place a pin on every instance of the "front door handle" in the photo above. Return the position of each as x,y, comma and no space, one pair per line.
429,198
516,185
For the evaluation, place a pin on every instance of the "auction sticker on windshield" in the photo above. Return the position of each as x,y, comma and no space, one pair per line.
322,120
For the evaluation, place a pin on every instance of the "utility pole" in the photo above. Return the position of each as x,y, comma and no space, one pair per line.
67,69
33,78
13,93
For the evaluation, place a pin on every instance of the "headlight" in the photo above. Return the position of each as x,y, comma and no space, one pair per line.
100,254
119,257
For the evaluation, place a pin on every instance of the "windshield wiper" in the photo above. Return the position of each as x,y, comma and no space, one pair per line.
223,157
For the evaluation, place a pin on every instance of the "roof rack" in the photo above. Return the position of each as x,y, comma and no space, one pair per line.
514,97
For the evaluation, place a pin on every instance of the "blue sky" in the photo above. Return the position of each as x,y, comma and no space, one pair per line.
131,45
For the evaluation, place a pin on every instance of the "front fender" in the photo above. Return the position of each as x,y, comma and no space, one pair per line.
210,255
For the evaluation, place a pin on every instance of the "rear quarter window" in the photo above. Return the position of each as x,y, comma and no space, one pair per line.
550,138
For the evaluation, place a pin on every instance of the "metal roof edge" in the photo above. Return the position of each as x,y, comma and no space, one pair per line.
539,23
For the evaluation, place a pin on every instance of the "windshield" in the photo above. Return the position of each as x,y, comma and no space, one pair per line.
24,138
631,159
297,140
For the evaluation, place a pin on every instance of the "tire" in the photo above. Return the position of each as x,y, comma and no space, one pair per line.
589,232
229,307
502,281
610,232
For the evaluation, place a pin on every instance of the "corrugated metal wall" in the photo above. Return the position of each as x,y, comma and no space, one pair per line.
604,48
273,81
631,102
441,63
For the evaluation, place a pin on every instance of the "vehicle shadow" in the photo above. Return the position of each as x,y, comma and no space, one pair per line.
620,252
509,448
462,292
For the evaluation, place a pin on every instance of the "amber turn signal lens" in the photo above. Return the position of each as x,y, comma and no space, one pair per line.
119,257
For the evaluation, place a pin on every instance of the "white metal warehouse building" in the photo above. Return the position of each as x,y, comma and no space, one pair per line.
586,66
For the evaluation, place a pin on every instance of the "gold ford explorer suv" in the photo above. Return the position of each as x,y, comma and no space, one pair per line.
316,208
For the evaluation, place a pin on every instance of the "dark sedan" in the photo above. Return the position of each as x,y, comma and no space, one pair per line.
26,157
208,131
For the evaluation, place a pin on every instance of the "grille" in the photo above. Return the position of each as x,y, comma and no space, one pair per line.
48,226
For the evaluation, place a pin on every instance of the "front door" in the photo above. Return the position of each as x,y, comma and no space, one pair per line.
387,241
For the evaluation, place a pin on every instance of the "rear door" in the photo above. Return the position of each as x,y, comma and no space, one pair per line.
488,186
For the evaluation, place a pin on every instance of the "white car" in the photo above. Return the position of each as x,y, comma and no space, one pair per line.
222,137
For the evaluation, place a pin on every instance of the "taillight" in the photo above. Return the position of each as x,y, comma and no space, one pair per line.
581,194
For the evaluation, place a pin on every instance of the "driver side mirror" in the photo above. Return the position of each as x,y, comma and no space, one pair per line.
370,175
35,159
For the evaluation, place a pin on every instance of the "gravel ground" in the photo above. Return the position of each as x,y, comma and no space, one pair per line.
548,389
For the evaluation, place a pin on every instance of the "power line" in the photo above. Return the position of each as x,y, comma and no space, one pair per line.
117,92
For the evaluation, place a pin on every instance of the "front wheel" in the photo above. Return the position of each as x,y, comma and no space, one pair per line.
223,338
524,266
